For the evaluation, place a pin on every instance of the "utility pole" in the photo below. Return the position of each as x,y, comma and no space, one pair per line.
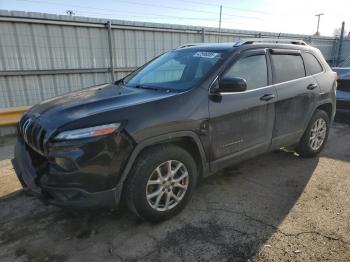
220,24
203,35
318,23
110,47
341,38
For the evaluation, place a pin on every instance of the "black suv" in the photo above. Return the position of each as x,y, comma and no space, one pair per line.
196,109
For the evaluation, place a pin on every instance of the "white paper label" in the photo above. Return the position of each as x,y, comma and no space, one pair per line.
206,54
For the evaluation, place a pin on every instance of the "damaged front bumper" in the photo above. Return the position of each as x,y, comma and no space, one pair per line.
58,188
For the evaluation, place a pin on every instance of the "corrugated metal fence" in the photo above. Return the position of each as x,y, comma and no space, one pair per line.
43,55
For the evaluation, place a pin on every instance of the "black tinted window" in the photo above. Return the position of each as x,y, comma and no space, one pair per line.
312,64
252,68
287,67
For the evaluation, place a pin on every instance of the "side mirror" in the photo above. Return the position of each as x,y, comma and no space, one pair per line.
232,84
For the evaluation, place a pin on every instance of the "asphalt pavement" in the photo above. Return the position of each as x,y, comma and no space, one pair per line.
276,207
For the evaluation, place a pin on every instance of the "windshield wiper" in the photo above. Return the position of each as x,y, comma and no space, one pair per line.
156,88
148,87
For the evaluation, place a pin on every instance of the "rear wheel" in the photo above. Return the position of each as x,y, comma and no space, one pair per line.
161,182
315,136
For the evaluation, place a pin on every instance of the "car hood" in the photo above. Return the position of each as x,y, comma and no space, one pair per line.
58,111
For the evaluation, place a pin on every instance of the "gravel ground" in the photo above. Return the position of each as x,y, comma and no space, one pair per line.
277,207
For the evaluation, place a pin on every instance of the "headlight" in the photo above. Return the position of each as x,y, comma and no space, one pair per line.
87,132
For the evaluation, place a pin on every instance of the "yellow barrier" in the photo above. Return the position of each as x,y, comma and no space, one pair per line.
11,116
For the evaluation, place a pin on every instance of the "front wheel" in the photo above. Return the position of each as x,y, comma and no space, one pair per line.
315,136
161,182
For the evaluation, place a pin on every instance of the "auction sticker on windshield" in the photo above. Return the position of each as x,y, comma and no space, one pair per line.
206,54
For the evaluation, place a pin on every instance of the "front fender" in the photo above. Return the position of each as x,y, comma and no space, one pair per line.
160,139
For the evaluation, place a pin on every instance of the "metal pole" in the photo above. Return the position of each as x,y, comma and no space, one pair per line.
334,52
340,43
318,23
203,35
220,23
111,65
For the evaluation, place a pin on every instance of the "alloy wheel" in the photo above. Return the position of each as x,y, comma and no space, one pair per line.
318,134
167,185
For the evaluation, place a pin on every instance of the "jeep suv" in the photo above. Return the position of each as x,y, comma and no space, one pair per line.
149,137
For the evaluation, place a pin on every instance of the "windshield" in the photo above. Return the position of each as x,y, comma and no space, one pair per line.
178,70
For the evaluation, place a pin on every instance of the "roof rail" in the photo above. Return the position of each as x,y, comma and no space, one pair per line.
269,40
188,45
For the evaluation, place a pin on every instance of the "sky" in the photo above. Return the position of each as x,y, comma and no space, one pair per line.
293,16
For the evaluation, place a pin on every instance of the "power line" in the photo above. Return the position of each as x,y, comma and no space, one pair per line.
170,7
225,6
146,16
141,3
151,17
141,15
134,17
238,9
186,9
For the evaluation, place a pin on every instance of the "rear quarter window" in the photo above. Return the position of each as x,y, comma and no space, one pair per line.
312,65
287,67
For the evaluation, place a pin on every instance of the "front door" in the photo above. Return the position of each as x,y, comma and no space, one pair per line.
242,122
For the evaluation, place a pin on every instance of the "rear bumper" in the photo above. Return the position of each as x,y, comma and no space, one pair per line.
60,196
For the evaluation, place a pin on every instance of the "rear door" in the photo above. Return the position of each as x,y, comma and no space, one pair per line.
242,122
297,93
315,68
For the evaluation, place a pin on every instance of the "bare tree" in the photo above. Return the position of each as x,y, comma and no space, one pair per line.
337,32
70,12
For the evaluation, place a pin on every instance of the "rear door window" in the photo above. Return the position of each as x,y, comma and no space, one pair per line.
287,67
312,64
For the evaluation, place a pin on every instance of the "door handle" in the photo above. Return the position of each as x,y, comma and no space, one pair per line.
267,97
311,86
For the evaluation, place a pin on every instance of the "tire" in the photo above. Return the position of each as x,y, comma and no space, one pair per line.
307,146
151,167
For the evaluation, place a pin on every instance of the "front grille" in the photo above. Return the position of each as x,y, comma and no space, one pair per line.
32,133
